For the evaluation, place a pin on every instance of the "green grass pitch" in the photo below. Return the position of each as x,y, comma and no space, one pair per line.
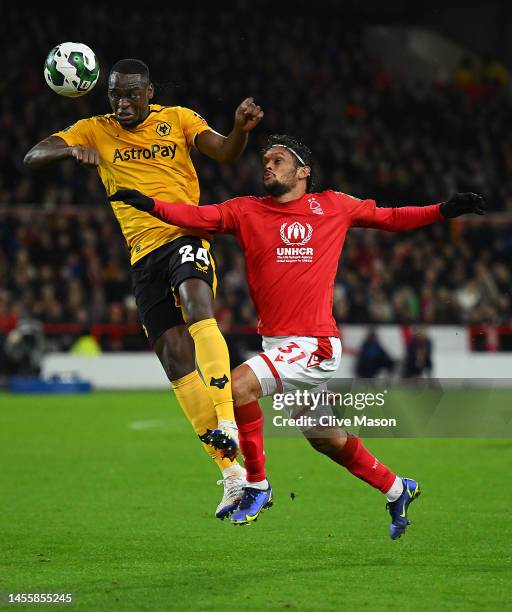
110,497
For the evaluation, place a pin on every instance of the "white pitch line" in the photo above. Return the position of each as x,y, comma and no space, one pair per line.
158,424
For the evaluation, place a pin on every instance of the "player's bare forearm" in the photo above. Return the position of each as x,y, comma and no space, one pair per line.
54,149
229,148
46,152
224,149
234,144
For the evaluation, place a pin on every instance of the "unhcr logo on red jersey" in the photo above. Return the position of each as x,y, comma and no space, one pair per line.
295,235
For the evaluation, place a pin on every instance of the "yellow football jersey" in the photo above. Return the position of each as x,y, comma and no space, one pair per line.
153,157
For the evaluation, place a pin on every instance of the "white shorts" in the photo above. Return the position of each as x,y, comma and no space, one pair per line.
290,362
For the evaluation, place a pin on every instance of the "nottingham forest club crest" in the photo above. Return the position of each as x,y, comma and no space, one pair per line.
295,236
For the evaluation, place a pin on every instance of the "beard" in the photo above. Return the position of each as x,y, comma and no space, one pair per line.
276,189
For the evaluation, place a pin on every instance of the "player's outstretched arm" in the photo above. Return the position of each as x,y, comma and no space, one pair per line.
405,218
228,148
207,218
54,148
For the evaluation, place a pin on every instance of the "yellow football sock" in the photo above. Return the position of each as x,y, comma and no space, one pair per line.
212,358
197,405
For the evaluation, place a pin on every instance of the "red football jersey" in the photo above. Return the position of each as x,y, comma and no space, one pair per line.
292,249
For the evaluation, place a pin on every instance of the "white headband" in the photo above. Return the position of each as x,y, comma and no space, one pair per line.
291,151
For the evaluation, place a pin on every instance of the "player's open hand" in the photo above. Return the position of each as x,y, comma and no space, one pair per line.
86,156
462,204
248,115
134,198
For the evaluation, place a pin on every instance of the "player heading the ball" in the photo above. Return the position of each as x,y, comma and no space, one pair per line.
146,145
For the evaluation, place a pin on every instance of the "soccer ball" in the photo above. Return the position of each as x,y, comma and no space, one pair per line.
71,69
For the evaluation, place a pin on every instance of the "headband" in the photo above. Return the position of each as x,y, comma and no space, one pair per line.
291,151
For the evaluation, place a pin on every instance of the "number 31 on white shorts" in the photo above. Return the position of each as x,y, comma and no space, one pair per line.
287,363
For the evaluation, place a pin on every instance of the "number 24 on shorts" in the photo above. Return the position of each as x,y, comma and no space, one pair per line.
187,254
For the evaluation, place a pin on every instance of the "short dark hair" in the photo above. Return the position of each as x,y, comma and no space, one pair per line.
131,66
304,152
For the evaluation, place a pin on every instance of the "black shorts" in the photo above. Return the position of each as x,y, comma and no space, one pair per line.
157,276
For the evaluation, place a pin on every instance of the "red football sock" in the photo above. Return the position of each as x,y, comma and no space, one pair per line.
249,419
364,465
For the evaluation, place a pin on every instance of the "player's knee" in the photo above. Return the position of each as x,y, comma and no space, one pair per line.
175,369
241,395
241,387
196,313
330,446
175,349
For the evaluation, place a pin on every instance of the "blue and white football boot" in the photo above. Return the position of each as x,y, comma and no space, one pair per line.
252,503
399,508
233,491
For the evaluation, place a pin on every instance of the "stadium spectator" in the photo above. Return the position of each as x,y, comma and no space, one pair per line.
418,357
373,357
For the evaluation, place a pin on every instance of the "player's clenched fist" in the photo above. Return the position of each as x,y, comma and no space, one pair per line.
86,156
248,115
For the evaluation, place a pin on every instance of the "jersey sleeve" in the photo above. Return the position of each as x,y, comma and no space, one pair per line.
80,133
222,218
192,124
188,216
366,213
230,216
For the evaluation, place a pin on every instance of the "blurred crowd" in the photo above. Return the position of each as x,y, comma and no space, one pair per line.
74,268
64,268
372,136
